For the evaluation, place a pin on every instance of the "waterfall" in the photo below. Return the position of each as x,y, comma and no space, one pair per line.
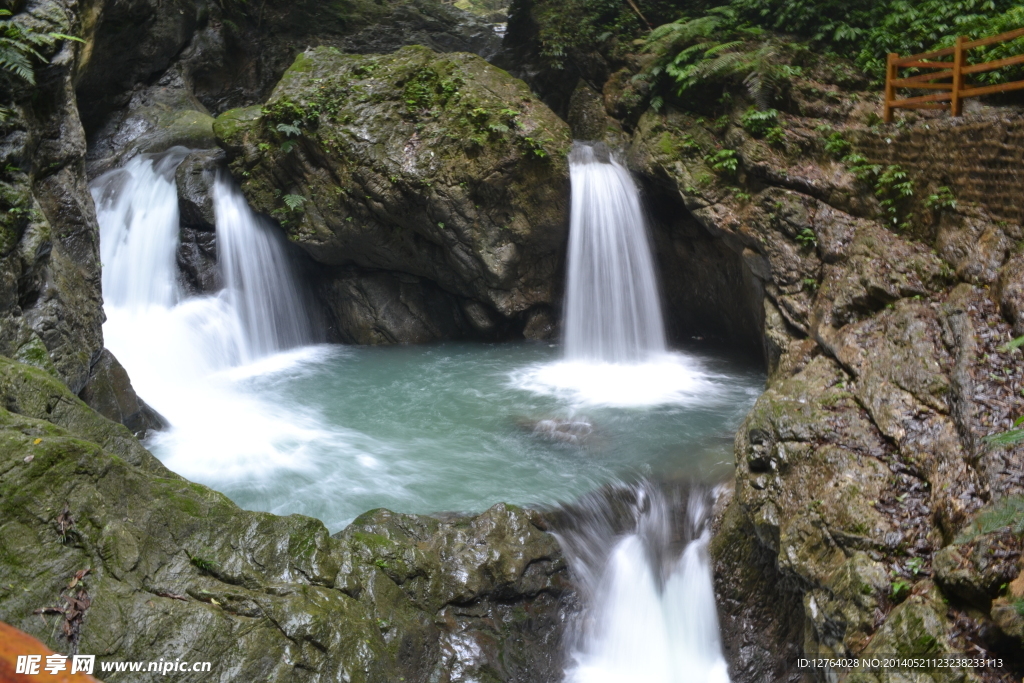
258,313
615,350
650,613
257,276
183,352
137,208
612,306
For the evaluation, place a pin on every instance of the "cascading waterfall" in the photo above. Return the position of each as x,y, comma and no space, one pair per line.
137,207
260,310
257,277
612,306
615,351
651,614
178,349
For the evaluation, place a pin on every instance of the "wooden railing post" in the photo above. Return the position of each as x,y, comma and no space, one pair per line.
956,104
891,73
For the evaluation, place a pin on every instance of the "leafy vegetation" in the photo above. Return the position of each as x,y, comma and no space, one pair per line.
759,123
1006,513
894,188
20,47
717,42
724,161
867,30
942,199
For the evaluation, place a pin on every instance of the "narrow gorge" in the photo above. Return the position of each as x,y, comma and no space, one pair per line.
413,341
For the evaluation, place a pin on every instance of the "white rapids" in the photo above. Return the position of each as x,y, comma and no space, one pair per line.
180,351
651,614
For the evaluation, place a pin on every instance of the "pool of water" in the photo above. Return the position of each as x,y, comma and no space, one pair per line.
332,431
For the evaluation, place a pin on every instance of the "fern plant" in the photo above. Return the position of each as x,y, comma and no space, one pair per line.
759,67
20,45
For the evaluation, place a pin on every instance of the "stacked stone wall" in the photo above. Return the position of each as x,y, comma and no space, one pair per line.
980,157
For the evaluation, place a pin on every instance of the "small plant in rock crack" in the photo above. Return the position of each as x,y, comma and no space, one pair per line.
290,130
202,564
757,122
294,202
915,565
724,161
941,200
837,145
807,237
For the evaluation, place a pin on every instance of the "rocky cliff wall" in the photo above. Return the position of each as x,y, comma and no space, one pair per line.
979,157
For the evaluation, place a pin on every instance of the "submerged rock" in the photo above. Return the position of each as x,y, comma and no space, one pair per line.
437,166
571,431
392,597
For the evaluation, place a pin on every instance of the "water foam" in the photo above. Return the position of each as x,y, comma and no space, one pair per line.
669,378
189,357
651,615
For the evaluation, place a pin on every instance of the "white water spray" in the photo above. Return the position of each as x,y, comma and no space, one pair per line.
180,351
651,615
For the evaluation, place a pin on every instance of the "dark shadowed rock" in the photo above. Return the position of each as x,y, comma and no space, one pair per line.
376,307
50,304
197,261
109,392
194,178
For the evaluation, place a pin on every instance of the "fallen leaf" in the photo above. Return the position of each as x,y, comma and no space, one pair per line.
37,442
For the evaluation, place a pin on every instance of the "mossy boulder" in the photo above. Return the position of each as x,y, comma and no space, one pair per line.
437,166
170,569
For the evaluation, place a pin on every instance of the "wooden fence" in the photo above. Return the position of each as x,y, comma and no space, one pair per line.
957,88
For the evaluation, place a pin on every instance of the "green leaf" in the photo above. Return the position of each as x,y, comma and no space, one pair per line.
294,201
1006,438
1011,345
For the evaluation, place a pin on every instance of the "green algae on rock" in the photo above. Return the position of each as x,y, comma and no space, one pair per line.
437,166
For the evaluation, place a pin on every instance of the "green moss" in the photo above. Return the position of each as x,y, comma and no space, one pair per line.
34,353
15,212
234,122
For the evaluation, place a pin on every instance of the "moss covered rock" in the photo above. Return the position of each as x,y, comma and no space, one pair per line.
437,166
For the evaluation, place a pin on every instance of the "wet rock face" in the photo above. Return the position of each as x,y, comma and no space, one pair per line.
392,597
50,305
232,54
198,272
436,166
862,465
194,179
197,241
387,308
